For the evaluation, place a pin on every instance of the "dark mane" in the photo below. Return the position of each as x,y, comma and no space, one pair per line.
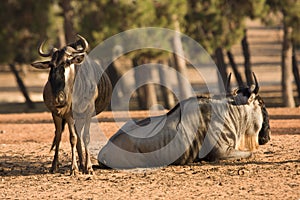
264,133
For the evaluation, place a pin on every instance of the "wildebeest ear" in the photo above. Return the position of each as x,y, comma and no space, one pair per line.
77,59
251,98
41,65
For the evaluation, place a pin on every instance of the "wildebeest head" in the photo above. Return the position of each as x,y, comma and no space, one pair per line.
61,76
244,95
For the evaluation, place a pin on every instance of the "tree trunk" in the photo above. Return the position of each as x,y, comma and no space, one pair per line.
247,62
147,97
167,94
286,68
296,69
113,75
150,93
22,87
139,90
219,56
180,65
234,68
68,14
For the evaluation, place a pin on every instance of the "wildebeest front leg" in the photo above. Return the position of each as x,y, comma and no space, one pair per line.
226,153
73,141
84,123
59,126
235,154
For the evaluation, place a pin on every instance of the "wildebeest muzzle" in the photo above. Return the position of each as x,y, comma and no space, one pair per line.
60,99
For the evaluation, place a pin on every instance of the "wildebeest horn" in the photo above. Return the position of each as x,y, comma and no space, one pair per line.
256,89
228,83
82,41
42,53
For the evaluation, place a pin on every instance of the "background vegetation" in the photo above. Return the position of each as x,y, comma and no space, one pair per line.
215,24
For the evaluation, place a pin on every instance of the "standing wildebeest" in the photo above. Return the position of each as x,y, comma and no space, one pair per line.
77,89
197,128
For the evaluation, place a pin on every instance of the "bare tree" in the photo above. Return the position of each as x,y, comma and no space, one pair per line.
221,65
286,67
167,94
247,62
180,64
68,15
234,68
296,69
21,85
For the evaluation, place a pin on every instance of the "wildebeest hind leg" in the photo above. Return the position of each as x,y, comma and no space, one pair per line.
78,128
80,154
86,140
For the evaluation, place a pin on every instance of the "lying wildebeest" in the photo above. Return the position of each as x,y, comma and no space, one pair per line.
77,89
214,128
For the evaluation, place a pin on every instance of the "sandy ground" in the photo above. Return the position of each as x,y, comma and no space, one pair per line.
25,139
272,173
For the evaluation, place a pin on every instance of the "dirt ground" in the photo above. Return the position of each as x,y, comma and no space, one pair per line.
25,139
272,173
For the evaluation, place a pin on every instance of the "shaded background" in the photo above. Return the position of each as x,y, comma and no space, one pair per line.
242,36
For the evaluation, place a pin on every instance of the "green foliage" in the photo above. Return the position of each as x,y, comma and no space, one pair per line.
22,24
290,11
119,16
123,15
220,23
213,23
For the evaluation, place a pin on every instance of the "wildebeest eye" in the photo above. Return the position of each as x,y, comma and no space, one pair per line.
79,59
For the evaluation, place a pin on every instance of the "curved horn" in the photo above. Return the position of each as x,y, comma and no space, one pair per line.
228,83
84,43
42,53
41,50
256,89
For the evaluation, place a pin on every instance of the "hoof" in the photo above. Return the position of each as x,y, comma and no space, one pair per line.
81,168
54,169
89,171
74,171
